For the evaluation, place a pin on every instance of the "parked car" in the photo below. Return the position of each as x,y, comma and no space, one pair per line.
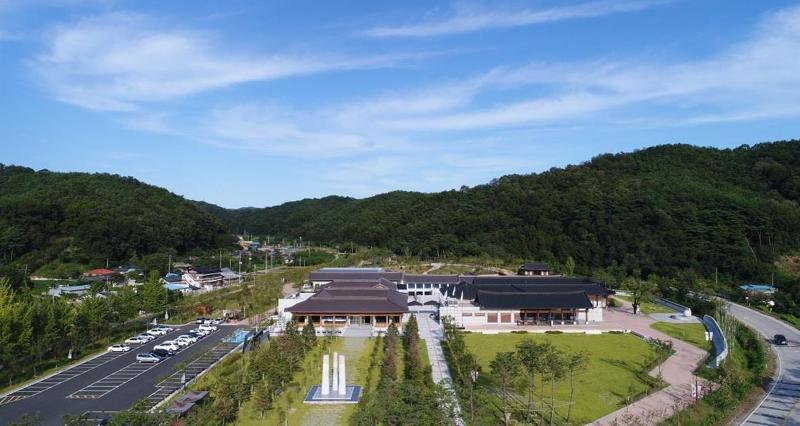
146,337
780,339
135,340
163,353
201,332
156,332
168,329
188,337
148,357
217,321
168,345
182,342
199,320
119,348
208,327
197,334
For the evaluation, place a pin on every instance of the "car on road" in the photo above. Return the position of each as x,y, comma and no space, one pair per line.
119,348
156,332
197,334
200,332
208,327
780,339
199,320
165,328
168,345
135,340
148,357
163,353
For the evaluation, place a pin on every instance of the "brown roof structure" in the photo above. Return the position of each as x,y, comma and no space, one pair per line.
355,297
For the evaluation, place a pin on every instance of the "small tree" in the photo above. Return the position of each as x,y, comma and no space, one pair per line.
663,350
530,354
575,362
505,368
309,335
639,290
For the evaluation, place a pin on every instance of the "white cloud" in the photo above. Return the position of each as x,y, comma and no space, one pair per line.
468,18
117,61
756,79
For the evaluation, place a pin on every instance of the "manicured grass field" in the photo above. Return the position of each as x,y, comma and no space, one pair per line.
647,307
690,333
610,381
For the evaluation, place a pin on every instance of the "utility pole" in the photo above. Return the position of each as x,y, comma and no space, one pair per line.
169,264
220,259
240,267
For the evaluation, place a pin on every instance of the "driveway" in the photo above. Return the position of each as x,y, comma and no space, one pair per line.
781,406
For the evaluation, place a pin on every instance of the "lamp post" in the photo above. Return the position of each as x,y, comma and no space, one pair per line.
474,376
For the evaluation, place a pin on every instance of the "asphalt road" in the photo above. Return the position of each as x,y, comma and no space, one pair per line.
782,405
111,382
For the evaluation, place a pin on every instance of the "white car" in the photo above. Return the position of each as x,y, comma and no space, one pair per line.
156,332
146,337
119,348
168,346
201,332
182,342
191,339
135,340
166,328
208,327
148,358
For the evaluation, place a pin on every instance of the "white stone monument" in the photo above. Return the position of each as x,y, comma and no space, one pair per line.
342,379
334,388
335,377
325,376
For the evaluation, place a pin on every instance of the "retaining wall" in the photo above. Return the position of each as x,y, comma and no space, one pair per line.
718,339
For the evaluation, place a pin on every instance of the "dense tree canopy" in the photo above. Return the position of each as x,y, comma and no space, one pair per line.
660,210
86,218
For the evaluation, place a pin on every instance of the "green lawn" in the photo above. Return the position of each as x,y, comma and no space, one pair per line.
610,381
693,333
648,307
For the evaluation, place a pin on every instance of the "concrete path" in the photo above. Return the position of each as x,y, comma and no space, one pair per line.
677,371
781,406
433,334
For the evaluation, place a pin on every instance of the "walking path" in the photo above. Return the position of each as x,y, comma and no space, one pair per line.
433,334
676,371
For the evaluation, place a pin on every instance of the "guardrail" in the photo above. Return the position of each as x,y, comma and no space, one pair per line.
718,339
685,310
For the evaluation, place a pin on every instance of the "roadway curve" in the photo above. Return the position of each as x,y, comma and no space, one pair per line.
781,406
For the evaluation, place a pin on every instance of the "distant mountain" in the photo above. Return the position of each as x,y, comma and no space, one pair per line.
85,218
663,209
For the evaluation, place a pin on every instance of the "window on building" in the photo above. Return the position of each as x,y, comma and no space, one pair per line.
492,317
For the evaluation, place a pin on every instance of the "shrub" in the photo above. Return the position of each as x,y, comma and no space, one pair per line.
554,332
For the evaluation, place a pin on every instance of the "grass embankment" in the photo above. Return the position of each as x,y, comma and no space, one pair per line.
647,307
739,379
612,377
694,333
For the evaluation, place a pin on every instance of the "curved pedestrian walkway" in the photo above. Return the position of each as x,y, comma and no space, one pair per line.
677,371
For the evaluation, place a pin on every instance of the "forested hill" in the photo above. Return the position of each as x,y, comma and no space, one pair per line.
662,209
85,218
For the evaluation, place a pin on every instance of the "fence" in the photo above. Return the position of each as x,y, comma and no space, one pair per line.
718,338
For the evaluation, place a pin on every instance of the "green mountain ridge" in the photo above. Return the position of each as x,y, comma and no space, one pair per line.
81,218
662,209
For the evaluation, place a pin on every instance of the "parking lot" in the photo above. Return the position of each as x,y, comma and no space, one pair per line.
113,381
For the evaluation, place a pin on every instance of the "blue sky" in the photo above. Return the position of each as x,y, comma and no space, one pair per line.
256,103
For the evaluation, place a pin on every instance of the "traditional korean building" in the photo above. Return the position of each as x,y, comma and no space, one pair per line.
343,303
522,300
